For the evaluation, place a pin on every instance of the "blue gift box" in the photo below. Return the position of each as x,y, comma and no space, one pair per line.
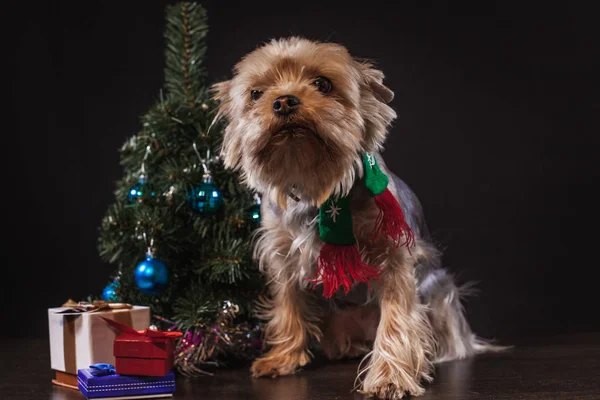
105,384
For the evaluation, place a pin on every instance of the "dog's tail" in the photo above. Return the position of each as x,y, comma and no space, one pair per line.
453,335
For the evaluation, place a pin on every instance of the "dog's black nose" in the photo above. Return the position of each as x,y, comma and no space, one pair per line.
285,105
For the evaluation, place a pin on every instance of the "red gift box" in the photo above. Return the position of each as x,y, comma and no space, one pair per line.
145,353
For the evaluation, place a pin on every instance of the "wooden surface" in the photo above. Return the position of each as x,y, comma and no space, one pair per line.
558,368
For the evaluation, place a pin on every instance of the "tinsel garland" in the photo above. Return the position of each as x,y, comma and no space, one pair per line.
204,347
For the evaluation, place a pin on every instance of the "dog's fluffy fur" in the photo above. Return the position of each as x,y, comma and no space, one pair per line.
408,319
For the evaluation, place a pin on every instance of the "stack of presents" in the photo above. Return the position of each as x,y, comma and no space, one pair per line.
110,351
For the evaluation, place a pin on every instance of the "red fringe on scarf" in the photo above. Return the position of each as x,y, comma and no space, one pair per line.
341,265
390,221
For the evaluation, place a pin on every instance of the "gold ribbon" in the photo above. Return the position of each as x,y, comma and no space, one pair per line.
69,351
75,309
97,305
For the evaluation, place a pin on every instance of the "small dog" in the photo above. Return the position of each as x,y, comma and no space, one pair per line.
306,121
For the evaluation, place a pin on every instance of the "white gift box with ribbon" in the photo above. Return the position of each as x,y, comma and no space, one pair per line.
80,338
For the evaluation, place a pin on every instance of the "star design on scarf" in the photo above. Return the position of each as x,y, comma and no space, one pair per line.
333,211
370,159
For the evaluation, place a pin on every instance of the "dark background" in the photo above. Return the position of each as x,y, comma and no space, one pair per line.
497,133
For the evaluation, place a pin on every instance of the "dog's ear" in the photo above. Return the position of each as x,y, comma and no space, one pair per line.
374,80
373,106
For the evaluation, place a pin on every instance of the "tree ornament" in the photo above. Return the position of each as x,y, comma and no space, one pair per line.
205,198
255,210
136,193
110,292
255,213
151,275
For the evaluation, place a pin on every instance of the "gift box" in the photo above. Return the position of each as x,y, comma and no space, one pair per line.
65,379
102,381
148,352
79,337
142,355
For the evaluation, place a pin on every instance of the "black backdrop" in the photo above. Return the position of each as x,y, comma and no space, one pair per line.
497,133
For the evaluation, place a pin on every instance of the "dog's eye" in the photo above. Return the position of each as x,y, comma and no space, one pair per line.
323,84
255,94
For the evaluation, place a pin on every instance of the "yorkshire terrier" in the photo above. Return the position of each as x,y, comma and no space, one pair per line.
306,126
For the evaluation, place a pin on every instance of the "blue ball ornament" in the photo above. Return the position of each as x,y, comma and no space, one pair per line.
151,276
110,292
255,213
205,198
137,192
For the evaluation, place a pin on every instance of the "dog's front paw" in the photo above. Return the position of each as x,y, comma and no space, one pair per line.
390,391
386,381
275,364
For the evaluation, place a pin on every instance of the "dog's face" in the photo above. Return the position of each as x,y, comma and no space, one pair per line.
300,114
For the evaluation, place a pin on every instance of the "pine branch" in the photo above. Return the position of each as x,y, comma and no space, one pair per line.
185,37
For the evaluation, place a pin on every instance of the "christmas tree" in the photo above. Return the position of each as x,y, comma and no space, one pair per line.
179,233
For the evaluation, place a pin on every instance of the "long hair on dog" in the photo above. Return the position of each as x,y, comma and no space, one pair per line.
299,115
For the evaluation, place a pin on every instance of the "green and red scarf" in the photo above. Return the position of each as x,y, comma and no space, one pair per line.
340,263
